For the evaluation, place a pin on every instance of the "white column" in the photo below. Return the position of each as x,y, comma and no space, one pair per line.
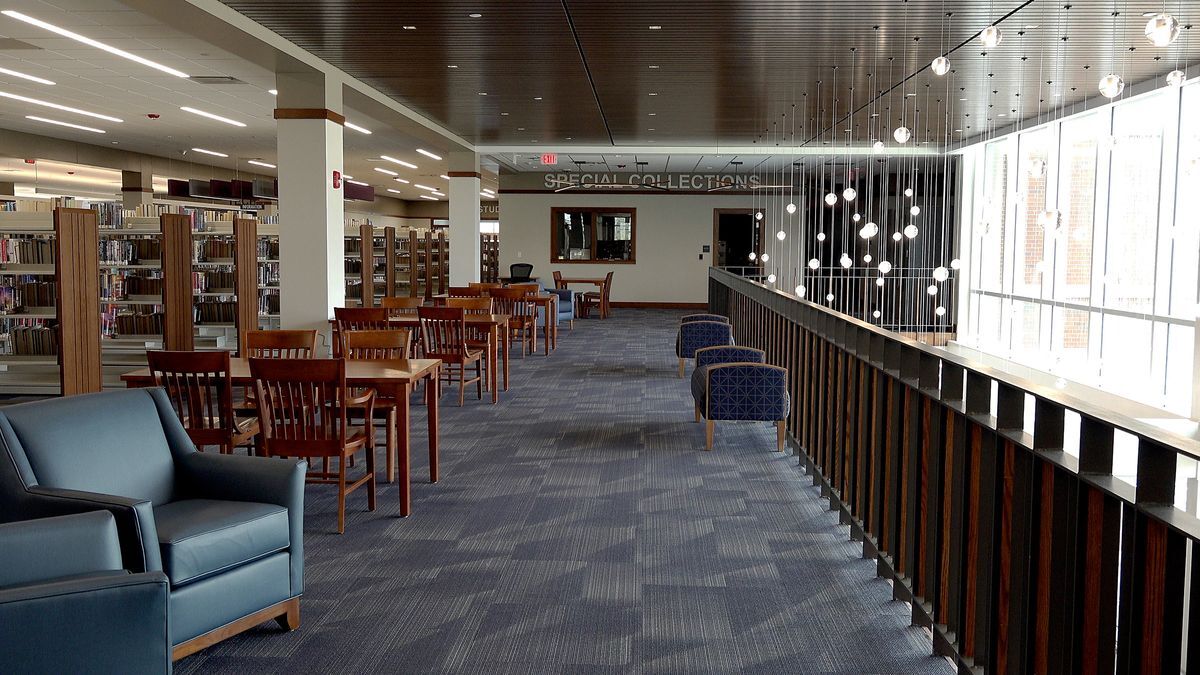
137,189
311,216
464,218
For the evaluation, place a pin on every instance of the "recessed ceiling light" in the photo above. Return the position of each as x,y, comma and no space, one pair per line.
387,171
653,67
410,28
654,93
569,138
451,66
211,116
484,194
962,99
434,199
356,182
92,43
655,27
24,76
483,93
475,15
357,128
57,106
489,191
520,128
401,162
214,153
504,114
273,92
1034,25
394,191
430,154
958,131
400,180
653,114
47,120
440,194
1002,115
424,187
537,98
650,130
347,176
255,162
444,177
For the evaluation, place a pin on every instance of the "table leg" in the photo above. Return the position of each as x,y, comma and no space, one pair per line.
546,324
493,370
431,405
505,340
554,334
404,424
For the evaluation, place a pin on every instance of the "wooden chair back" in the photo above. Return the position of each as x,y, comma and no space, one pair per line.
302,410
357,318
376,344
529,288
510,301
607,287
464,292
471,305
401,304
484,285
558,282
444,333
279,344
199,387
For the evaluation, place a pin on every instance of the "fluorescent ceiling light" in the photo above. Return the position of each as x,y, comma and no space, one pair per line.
387,171
484,194
398,161
428,154
400,180
255,162
211,116
424,187
440,194
56,106
392,190
357,182
93,43
24,76
64,124
357,128
489,191
347,176
444,177
273,92
432,199
209,152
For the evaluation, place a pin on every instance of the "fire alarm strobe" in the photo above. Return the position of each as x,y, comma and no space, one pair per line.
337,180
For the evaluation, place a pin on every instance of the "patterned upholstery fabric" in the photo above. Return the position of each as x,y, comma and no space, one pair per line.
742,391
704,317
708,356
693,336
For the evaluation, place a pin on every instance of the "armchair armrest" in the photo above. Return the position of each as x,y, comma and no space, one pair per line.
251,479
36,550
706,356
109,622
134,518
564,294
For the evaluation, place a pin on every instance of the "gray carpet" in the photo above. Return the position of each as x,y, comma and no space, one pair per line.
580,527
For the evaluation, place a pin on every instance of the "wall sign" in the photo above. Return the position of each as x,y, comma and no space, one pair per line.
671,181
549,159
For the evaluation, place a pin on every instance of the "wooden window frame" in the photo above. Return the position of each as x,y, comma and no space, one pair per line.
596,212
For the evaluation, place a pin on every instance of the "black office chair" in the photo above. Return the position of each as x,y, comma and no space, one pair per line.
519,272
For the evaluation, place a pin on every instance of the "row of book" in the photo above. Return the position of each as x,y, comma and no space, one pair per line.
268,248
213,281
130,251
215,311
125,322
268,275
119,286
212,249
27,251
34,339
268,303
21,294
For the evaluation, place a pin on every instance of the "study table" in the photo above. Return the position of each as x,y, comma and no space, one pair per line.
389,377
598,282
496,326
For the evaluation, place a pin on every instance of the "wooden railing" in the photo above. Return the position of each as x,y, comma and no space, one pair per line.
1020,556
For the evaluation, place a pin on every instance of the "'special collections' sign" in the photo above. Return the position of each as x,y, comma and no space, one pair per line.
670,181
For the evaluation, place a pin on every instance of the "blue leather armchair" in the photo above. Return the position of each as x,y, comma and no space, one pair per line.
226,530
698,334
68,606
735,384
566,307
689,318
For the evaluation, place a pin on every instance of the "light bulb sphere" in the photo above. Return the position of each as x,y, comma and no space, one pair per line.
800,291
955,264
753,255
901,134
871,229
820,236
867,258
941,274
856,217
758,215
765,257
877,313
814,264
1112,85
1176,78
791,208
831,199
940,311
915,210
1162,29
845,261
896,236
991,37
911,231
932,289
940,66
849,194
884,267
781,235
877,146
908,192
829,297
879,281
770,278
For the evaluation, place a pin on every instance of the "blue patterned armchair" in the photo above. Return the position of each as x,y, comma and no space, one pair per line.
736,390
566,307
689,318
698,334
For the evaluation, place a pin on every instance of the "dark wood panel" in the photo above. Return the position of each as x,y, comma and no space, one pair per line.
245,274
77,281
178,323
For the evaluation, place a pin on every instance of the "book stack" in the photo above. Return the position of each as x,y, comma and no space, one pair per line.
215,311
268,248
27,251
129,251
268,303
33,339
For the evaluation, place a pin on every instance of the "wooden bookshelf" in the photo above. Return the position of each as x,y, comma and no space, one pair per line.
268,276
245,237
178,325
489,258
77,280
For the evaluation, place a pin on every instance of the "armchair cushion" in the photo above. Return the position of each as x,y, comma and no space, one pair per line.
65,546
742,391
707,356
697,334
202,537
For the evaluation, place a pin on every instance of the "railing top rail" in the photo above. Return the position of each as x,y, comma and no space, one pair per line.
1186,445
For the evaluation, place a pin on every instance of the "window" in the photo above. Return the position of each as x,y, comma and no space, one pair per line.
605,235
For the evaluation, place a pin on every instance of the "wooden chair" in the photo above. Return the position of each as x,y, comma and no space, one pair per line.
558,280
477,338
444,332
401,305
201,392
304,413
528,287
485,285
464,292
357,318
522,322
597,298
366,345
279,344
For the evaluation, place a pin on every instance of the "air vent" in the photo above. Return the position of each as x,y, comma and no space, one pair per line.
215,79
13,43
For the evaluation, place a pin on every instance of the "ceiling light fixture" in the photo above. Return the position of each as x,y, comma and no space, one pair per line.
902,134
1112,85
387,171
255,162
93,43
484,194
64,124
214,153
394,191
24,76
424,187
273,92
211,116
401,162
655,27
444,177
451,65
56,106
433,156
991,37
410,28
361,130
433,199
1162,29
940,66
400,180
475,15
357,182
1176,78
440,194
653,67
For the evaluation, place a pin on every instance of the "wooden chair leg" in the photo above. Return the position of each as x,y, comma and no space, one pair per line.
680,368
342,495
781,432
697,413
370,481
390,451
479,378
462,384
708,434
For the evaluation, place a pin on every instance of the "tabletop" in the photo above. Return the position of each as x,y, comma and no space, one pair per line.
358,372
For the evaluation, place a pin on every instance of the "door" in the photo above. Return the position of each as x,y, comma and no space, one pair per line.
735,236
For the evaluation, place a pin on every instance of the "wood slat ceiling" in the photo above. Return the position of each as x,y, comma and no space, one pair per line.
728,72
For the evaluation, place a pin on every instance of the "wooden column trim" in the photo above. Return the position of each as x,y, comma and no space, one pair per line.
77,277
178,324
366,252
389,248
310,114
245,275
464,174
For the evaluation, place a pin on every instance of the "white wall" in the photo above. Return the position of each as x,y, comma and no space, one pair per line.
672,230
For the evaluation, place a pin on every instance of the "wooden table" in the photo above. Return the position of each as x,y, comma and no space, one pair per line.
595,281
549,304
389,377
498,341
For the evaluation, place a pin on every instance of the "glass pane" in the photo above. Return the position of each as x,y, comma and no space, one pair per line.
1126,357
574,232
1072,331
1077,206
1031,203
614,236
991,228
1186,233
1180,354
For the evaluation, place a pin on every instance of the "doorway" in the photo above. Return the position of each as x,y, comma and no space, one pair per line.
735,236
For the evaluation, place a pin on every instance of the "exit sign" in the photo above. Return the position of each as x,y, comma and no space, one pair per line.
549,159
